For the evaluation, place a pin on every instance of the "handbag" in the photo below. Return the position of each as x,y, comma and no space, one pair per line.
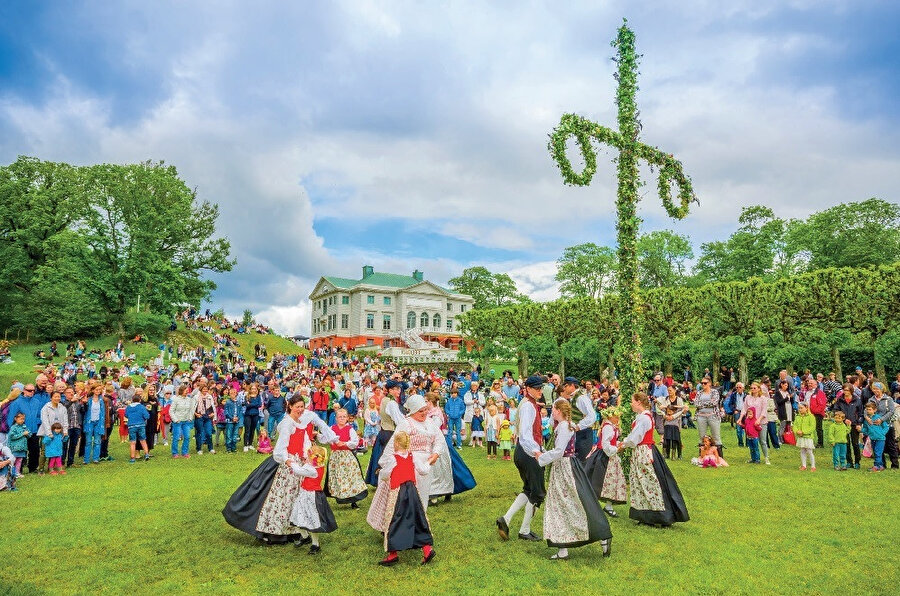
867,449
789,437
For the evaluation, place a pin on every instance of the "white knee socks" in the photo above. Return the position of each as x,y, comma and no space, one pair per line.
520,502
315,538
526,519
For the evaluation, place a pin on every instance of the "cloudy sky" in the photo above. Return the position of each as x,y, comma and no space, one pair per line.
413,134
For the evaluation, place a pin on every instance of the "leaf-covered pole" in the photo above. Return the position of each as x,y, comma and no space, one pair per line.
631,150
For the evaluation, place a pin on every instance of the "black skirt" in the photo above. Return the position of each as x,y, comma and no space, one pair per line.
377,449
327,523
409,527
672,432
532,475
584,440
595,470
243,508
676,510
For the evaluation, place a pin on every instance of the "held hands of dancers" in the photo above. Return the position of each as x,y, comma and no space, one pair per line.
434,457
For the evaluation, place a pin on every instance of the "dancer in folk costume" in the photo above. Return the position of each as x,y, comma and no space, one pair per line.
423,440
583,415
345,481
310,512
391,415
529,444
405,521
655,498
261,506
450,475
603,465
572,516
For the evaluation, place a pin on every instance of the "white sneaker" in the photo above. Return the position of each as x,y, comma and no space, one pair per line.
199,453
767,462
212,451
246,448
166,443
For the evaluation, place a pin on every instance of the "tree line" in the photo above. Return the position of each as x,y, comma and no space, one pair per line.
84,249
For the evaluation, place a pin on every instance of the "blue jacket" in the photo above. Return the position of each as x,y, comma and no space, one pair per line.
349,404
31,407
16,440
137,414
86,417
232,410
275,405
53,445
253,406
455,407
878,430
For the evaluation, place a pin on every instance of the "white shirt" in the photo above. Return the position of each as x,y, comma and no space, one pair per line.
393,410
607,432
287,427
526,421
583,403
642,424
561,441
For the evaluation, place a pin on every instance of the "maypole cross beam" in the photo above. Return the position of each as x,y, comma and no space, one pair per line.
628,342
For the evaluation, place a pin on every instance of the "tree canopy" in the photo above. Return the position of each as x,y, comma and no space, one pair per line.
488,289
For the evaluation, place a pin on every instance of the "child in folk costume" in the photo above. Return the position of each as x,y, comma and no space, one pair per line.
572,516
603,465
310,511
655,498
405,523
345,481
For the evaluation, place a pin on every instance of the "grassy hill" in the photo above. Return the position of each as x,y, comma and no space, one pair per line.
25,364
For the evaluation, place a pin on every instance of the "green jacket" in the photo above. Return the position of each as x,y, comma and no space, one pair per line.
837,433
805,424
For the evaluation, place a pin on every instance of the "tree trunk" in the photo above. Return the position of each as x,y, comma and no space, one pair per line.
522,362
836,358
742,368
715,368
562,366
611,363
879,367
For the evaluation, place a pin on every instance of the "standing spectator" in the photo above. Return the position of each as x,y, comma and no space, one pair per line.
709,419
471,399
181,411
512,391
251,416
815,399
784,404
884,406
850,405
203,417
455,408
30,404
52,413
74,407
735,402
759,403
275,405
93,423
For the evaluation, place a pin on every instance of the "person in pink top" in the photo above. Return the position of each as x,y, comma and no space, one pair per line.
758,401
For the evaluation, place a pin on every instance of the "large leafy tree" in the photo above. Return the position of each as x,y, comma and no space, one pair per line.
585,270
488,289
851,235
662,258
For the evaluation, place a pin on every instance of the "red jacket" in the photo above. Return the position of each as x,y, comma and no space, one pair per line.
320,400
817,403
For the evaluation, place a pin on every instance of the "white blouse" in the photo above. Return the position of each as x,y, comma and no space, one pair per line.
642,424
563,437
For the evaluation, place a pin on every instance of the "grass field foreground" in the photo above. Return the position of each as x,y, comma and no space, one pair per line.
156,528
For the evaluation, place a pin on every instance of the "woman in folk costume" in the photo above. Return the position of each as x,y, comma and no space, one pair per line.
572,516
423,438
450,475
310,512
261,506
603,465
655,498
405,522
345,480
391,415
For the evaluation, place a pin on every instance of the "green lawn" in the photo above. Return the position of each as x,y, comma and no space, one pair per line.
156,527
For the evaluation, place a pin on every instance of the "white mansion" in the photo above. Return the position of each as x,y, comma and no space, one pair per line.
384,309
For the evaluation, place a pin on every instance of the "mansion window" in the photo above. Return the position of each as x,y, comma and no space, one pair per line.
370,321
410,320
370,299
345,321
449,307
386,323
462,308
449,324
436,321
423,320
345,299
387,300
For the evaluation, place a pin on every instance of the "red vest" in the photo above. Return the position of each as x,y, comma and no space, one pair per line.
404,472
615,438
314,484
536,425
297,442
343,435
648,438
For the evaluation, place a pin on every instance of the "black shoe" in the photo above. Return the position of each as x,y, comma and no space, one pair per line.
610,512
503,528
607,546
448,498
354,505
529,536
314,549
302,542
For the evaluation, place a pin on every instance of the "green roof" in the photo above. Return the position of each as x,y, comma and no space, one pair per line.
386,280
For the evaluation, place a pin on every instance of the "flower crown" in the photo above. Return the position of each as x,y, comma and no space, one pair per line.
611,411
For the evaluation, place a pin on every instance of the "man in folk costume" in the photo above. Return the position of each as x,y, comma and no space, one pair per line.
530,440
583,416
423,437
391,415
